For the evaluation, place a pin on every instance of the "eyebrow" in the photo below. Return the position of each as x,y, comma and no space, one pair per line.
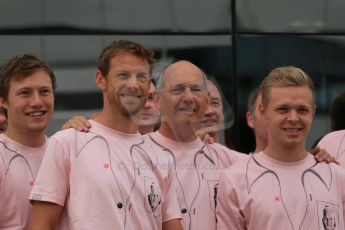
39,87
185,85
133,70
216,99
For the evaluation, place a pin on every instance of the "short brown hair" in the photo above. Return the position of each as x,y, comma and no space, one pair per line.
117,47
20,67
284,77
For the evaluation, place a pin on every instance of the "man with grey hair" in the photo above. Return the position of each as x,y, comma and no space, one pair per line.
183,100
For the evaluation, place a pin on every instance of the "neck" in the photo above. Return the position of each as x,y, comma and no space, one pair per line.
180,133
117,121
286,153
31,139
146,129
260,145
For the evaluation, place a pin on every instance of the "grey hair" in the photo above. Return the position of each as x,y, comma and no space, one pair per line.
160,81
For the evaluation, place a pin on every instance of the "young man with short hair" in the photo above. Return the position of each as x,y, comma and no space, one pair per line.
27,87
282,187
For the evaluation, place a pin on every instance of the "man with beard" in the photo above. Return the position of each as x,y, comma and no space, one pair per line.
102,179
148,122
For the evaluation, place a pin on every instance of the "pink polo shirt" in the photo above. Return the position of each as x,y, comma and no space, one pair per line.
334,144
19,165
105,179
197,169
263,193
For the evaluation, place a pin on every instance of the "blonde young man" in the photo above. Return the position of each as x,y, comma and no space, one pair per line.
283,187
107,178
27,87
259,126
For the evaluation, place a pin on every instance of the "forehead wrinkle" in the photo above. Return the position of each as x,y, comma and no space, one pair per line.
182,67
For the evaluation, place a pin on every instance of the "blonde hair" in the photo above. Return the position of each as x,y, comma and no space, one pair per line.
283,77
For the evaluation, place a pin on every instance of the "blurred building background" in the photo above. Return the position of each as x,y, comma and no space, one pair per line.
236,41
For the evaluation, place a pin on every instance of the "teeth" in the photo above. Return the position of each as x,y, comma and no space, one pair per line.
130,96
209,121
35,114
188,109
292,130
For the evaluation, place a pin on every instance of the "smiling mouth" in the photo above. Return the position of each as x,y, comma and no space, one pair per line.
187,109
292,130
36,113
209,122
146,114
130,96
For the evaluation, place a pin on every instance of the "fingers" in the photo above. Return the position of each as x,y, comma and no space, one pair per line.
315,151
65,126
323,156
205,137
79,123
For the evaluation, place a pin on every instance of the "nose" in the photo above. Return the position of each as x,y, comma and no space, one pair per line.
36,99
188,95
148,105
293,116
132,82
209,111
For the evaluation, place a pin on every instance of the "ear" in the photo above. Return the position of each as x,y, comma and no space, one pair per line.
157,99
314,110
262,112
208,97
250,120
101,80
3,103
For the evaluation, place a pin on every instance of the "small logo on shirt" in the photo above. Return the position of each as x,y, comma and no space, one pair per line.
328,215
213,186
277,198
106,165
153,197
